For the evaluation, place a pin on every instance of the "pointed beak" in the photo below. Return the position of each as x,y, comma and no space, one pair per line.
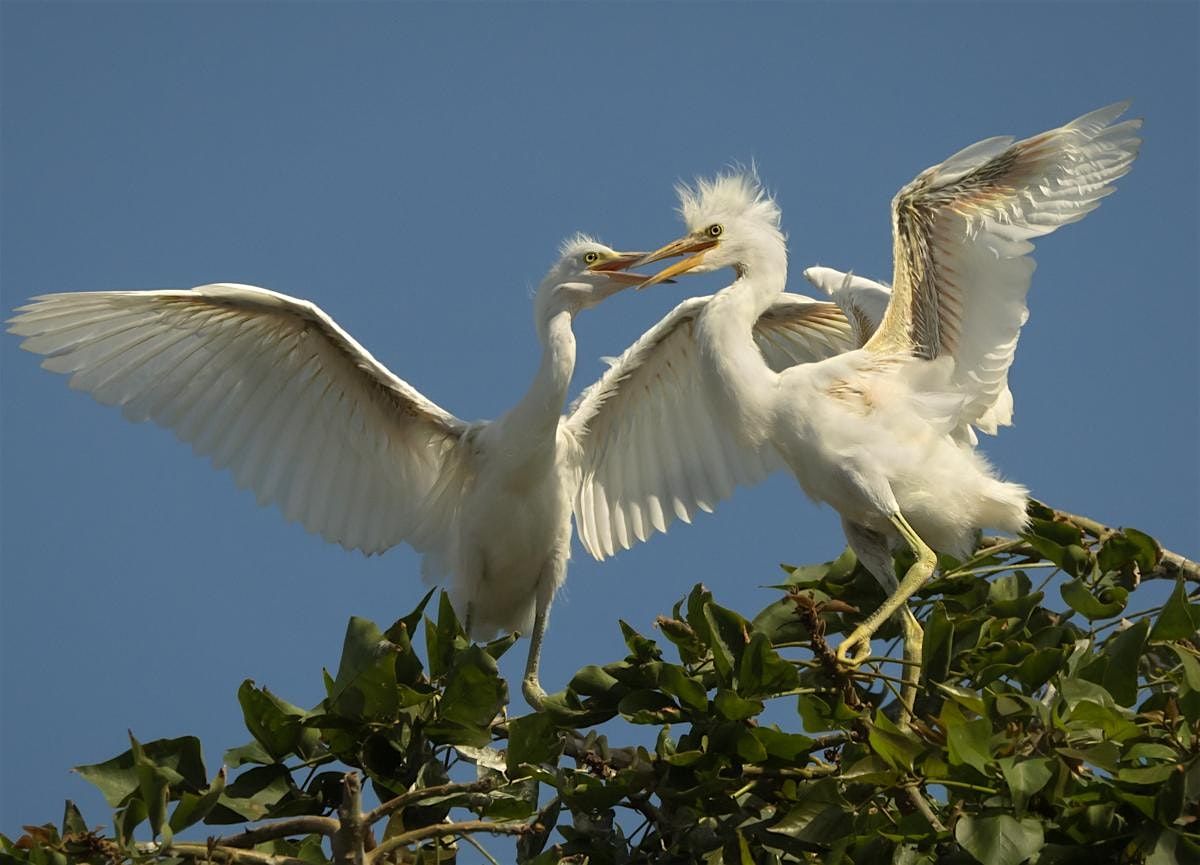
698,246
615,267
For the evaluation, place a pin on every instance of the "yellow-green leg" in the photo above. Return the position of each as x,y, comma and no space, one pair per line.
914,639
531,686
856,648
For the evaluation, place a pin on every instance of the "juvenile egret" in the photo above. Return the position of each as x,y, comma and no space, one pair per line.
879,433
271,388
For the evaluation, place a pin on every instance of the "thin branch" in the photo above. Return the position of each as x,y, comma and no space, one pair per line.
920,803
395,804
483,852
439,830
279,829
820,771
224,854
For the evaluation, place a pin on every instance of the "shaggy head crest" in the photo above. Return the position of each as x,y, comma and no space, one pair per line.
579,243
734,194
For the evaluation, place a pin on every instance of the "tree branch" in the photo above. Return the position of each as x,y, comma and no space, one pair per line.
1171,565
396,803
279,829
439,830
225,854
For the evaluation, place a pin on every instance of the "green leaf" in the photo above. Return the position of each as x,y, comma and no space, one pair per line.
1175,622
276,723
897,748
728,638
532,739
999,839
648,707
475,691
791,748
365,685
749,748
735,708
1124,651
689,691
1082,601
1039,667
443,639
252,795
968,741
193,808
408,624
643,649
117,778
1024,778
72,822
762,672
594,681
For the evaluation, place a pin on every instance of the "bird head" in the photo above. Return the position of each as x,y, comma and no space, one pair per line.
586,273
731,221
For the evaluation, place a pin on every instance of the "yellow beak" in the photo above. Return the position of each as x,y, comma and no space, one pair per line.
614,267
682,246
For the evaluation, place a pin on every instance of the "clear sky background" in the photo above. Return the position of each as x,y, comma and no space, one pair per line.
412,169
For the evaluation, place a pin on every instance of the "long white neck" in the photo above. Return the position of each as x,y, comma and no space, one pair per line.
533,422
741,380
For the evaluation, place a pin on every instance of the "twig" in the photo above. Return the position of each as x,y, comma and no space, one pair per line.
820,771
486,855
437,830
395,804
225,854
279,829
919,802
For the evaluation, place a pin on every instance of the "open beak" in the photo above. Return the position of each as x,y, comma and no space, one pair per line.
615,267
697,246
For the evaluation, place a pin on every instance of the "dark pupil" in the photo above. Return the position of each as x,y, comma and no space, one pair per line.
715,230
591,256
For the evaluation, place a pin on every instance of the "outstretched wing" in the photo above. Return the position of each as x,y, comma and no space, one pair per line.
863,300
651,451
961,233
266,385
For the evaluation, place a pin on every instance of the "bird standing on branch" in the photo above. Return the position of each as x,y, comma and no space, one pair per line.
883,433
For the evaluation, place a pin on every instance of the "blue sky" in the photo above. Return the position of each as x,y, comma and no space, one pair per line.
411,169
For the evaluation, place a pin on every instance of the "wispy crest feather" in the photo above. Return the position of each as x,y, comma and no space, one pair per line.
577,243
735,192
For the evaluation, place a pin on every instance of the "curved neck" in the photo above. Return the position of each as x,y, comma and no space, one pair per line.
538,412
725,338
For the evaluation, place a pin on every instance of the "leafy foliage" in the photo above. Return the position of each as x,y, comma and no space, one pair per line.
1051,727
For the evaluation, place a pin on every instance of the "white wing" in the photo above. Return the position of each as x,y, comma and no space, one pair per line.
961,233
268,386
863,300
651,452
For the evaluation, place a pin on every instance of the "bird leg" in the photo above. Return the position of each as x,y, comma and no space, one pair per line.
856,648
531,687
914,640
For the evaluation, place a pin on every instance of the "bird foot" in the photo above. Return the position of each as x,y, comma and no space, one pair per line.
847,656
533,692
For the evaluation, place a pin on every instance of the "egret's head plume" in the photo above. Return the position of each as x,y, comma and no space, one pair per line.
732,196
586,273
732,222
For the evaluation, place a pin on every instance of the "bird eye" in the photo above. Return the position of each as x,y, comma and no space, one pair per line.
715,230
591,257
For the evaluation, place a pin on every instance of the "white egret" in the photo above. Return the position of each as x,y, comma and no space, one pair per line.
271,388
879,433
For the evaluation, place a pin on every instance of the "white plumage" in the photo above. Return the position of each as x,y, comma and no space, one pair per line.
270,387
882,433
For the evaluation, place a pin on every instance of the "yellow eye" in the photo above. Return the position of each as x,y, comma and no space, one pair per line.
591,257
715,230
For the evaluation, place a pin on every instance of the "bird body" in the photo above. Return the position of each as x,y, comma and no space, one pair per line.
884,433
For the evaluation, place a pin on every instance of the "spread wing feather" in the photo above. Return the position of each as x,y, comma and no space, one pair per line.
961,242
269,387
651,452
